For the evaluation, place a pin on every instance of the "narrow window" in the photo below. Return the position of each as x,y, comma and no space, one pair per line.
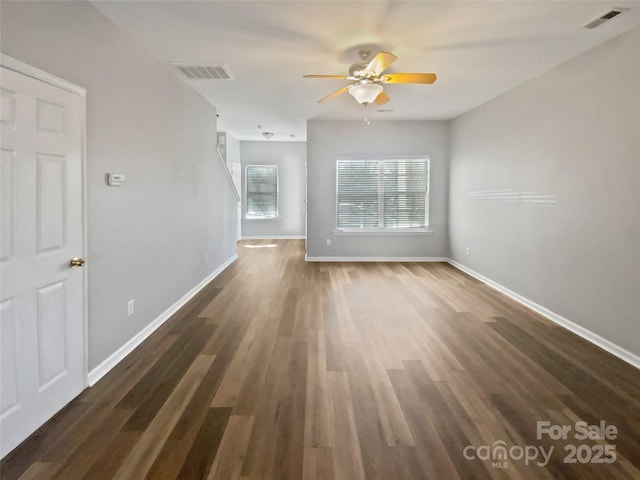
261,191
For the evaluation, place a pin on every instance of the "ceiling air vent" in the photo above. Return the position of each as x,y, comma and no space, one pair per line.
614,12
204,71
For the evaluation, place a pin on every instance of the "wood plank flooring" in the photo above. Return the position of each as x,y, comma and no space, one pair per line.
286,370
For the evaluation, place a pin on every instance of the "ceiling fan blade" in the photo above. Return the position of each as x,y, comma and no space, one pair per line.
408,78
379,63
382,99
334,94
324,76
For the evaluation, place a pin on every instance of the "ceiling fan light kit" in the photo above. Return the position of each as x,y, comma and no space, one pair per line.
365,92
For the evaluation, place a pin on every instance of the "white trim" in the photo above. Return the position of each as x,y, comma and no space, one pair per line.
383,231
375,259
85,229
607,345
34,72
22,68
277,237
226,170
115,358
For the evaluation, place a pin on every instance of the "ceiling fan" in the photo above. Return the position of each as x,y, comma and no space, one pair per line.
367,78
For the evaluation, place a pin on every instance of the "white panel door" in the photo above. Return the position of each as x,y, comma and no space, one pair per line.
41,297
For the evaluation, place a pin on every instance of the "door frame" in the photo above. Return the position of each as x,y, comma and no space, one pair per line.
30,71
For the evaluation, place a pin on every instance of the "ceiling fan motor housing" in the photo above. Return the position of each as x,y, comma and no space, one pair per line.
357,69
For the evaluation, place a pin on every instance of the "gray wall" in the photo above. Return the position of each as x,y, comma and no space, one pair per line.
327,140
572,139
290,157
147,240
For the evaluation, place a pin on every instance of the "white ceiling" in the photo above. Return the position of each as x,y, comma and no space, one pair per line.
478,50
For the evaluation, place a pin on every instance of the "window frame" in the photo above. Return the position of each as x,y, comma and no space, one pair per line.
248,216
381,229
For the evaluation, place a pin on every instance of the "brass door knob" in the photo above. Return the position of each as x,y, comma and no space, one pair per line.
76,262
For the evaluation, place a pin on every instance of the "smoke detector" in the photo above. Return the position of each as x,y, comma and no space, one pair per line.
268,135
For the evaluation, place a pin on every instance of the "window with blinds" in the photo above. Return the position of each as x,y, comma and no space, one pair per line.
389,194
261,191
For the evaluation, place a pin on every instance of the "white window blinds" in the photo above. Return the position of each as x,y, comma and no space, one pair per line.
383,194
261,191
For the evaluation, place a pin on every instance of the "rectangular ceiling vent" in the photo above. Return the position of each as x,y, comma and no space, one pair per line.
614,12
204,71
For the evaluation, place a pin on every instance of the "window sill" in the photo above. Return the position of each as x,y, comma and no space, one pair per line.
260,218
380,231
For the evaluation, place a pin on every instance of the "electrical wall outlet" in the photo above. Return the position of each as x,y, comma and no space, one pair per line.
206,258
468,251
130,307
328,241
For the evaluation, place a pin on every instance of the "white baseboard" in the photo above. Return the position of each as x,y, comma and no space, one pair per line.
375,259
115,358
285,237
588,335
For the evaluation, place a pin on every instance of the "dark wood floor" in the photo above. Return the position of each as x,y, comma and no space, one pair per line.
282,369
